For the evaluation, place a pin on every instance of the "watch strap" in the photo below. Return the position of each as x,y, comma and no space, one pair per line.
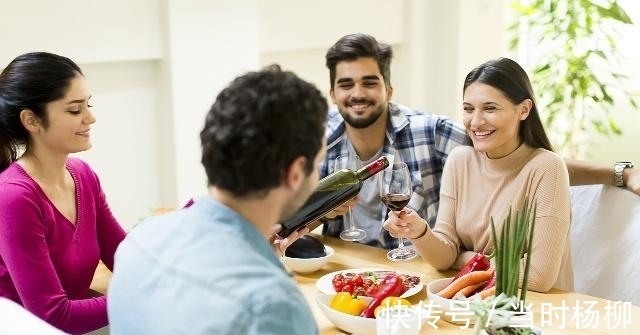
618,169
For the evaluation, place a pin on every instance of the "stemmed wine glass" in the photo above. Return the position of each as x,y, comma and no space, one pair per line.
352,233
395,192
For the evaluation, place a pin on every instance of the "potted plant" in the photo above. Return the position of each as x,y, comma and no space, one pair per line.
570,47
499,315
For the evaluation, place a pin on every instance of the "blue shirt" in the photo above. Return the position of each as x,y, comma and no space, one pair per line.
423,141
203,270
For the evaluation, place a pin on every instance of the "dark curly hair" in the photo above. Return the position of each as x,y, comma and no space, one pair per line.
30,81
351,47
257,126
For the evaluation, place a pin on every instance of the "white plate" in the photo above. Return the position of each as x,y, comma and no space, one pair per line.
324,283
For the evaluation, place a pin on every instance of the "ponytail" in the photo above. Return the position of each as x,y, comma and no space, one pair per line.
8,152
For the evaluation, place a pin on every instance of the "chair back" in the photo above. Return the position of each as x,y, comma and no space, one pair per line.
605,242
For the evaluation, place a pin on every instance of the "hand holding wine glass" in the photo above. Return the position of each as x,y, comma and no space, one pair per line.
395,192
351,233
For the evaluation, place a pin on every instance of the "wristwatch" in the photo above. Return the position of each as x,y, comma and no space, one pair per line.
618,168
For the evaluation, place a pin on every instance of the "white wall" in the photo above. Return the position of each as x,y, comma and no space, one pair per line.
155,66
88,31
125,153
210,43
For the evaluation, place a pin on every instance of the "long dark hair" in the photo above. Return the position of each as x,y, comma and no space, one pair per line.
30,81
510,78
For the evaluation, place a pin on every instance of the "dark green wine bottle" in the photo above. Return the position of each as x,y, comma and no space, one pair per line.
331,192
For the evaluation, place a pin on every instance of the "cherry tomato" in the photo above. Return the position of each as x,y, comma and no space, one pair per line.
358,291
337,285
347,288
368,282
357,280
371,291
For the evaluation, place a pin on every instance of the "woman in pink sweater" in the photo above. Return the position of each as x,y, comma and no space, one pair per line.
55,224
511,159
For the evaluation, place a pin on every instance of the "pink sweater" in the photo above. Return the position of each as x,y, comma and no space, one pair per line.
46,262
476,188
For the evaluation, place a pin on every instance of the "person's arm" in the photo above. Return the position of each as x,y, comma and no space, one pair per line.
588,173
26,257
439,246
110,232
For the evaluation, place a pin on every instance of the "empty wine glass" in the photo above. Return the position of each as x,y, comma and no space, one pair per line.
352,233
395,192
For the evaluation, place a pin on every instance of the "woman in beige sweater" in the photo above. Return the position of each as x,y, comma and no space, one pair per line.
511,159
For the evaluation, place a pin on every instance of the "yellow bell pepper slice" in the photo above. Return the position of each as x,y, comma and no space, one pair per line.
345,303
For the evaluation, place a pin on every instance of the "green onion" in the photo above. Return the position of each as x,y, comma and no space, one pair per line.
516,235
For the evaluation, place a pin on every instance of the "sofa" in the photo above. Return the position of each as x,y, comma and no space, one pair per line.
605,242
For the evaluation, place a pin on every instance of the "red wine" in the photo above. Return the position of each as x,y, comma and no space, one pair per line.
331,192
395,202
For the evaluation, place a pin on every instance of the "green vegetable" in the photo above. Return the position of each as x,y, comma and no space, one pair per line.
517,233
494,314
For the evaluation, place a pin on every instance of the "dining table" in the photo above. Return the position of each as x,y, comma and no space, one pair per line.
554,312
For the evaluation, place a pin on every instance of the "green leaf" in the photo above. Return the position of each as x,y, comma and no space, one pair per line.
616,13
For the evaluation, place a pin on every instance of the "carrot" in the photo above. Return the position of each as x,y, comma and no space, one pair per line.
467,291
486,293
470,278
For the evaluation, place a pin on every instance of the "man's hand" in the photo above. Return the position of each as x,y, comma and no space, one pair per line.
342,210
280,244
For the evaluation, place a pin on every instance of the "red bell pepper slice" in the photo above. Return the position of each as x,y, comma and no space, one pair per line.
479,262
391,286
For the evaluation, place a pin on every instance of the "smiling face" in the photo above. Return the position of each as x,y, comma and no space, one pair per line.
69,121
359,92
492,120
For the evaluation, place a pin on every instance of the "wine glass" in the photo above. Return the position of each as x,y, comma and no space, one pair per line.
352,233
395,192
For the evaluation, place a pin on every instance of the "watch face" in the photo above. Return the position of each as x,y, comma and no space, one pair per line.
624,164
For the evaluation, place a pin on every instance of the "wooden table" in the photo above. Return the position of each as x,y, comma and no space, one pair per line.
353,255
349,255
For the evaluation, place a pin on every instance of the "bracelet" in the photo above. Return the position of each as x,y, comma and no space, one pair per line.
426,227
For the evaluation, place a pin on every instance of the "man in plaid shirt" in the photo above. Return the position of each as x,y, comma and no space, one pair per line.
367,125
359,69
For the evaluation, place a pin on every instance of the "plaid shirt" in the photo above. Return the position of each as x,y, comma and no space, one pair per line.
422,140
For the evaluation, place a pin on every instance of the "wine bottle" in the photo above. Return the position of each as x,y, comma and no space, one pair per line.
331,192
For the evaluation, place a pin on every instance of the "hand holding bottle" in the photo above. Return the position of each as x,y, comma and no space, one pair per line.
406,223
341,210
331,192
280,244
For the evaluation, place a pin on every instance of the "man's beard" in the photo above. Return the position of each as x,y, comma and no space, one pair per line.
359,123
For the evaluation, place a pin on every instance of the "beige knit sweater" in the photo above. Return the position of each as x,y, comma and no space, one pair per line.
475,188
